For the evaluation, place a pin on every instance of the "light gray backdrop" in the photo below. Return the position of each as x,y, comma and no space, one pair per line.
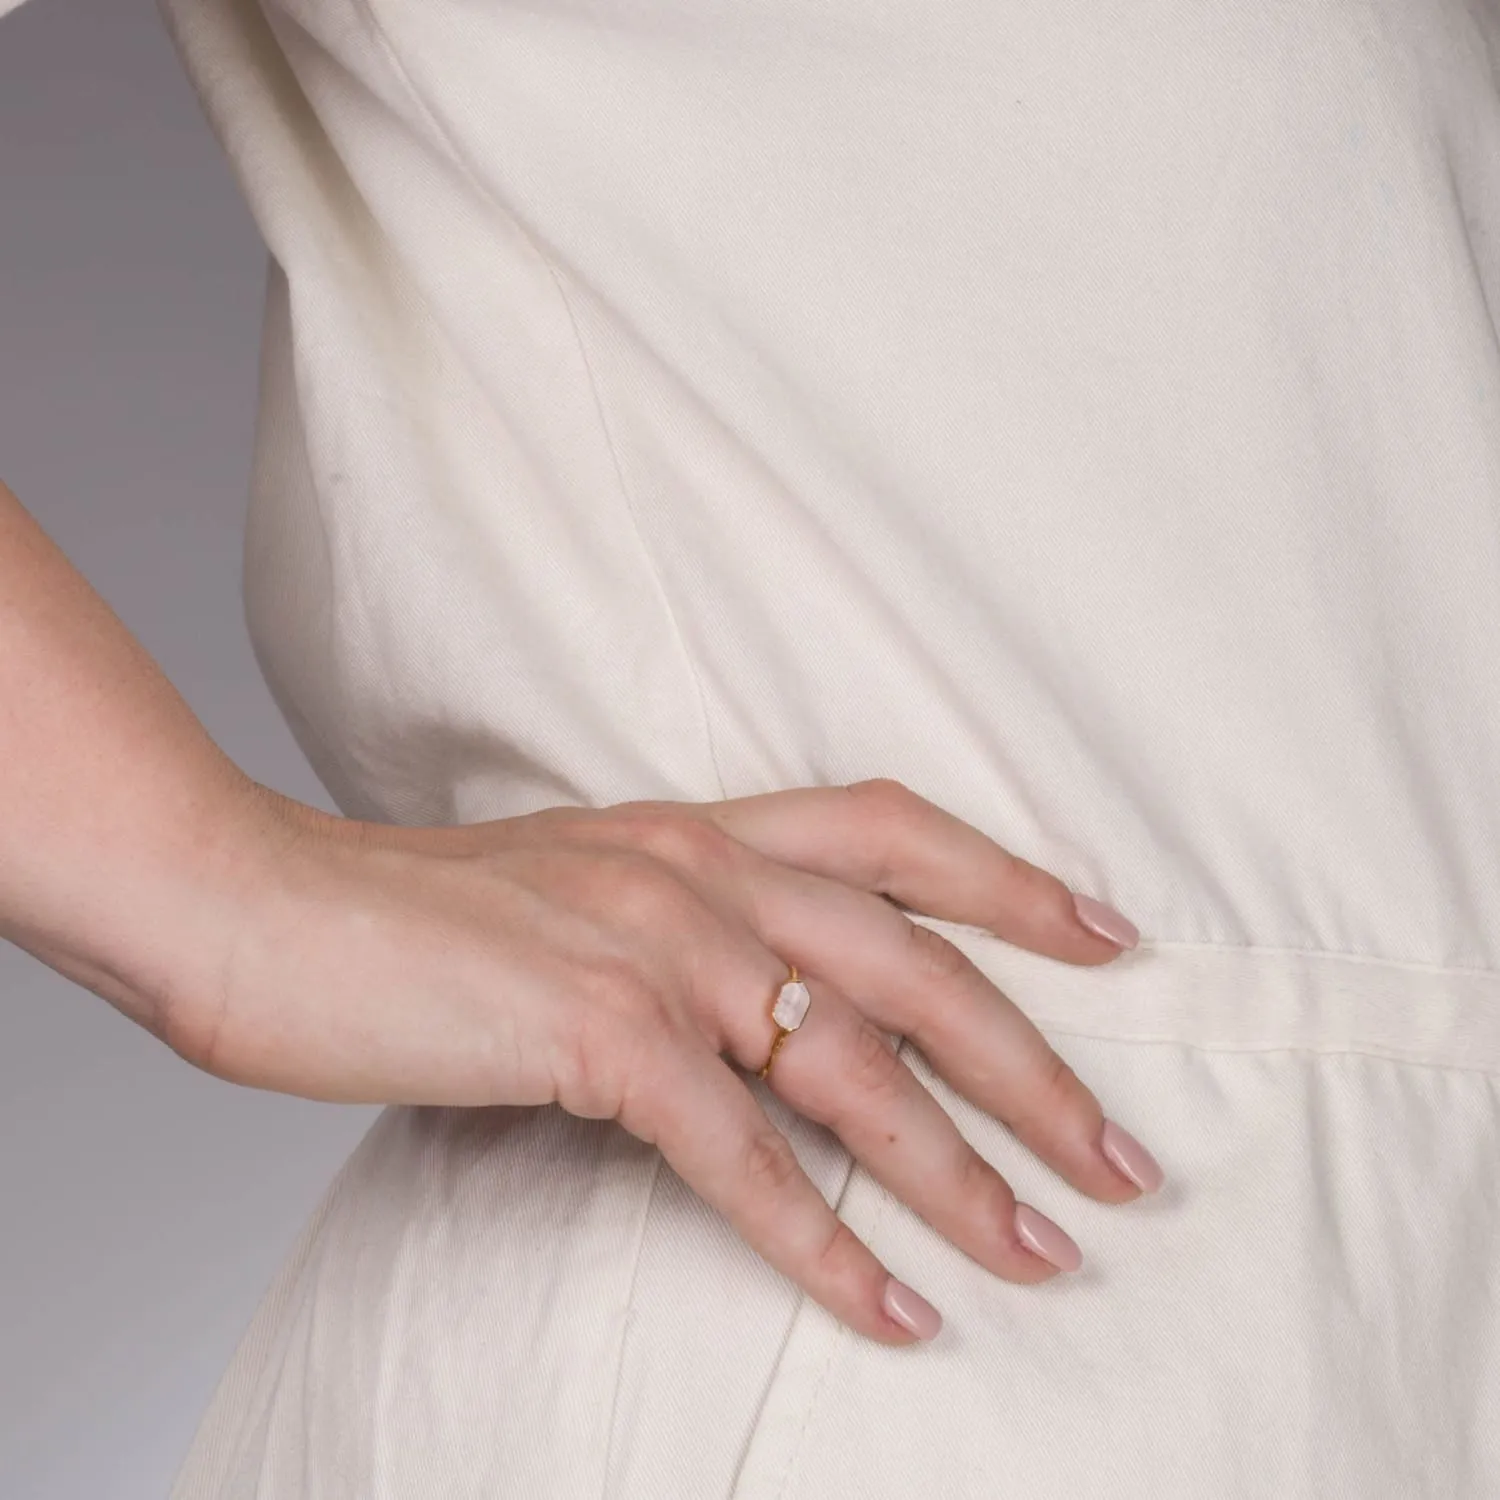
143,1206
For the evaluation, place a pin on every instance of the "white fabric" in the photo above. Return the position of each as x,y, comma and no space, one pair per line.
1086,414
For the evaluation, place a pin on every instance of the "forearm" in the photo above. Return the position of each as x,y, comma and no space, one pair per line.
123,852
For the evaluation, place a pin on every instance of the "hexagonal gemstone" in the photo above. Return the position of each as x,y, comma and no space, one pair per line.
791,1005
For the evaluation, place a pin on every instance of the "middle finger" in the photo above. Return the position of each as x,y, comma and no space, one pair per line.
843,1072
906,978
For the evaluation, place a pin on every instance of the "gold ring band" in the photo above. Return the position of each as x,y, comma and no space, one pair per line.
788,1010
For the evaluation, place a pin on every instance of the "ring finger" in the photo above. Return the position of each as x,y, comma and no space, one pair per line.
842,1071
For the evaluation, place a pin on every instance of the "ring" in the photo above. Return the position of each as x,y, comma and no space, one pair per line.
788,1011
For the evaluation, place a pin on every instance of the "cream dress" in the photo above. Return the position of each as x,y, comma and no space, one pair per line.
1085,412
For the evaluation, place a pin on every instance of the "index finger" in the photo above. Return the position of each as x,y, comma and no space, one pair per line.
881,836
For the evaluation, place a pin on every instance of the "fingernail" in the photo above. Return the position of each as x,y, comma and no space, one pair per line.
1042,1237
1130,1158
913,1312
1106,921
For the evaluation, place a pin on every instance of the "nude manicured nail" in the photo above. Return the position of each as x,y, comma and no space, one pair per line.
1106,921
1131,1159
913,1312
1042,1237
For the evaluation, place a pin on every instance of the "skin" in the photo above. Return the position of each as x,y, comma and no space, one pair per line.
615,961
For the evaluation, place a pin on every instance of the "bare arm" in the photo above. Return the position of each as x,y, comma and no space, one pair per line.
119,855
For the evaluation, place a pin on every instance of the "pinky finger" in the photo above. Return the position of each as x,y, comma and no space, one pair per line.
717,1138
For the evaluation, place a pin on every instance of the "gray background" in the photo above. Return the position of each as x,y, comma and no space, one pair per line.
143,1206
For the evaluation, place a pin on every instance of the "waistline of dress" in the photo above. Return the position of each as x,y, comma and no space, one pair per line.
1246,999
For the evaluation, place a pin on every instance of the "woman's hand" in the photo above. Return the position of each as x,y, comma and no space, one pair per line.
621,962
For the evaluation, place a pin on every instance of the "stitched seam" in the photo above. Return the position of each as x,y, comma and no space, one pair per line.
461,161
337,585
1415,965
872,1232
635,1273
1148,945
1392,1054
842,1334
398,1318
630,510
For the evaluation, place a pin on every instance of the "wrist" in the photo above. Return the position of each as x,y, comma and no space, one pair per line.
221,879
144,900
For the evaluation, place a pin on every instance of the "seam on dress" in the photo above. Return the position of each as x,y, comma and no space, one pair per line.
1268,950
336,594
398,1308
1374,960
1375,1054
870,1234
839,1337
461,161
630,511
635,1272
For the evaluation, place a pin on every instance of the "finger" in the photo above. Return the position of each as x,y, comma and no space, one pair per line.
718,1139
911,980
884,838
839,1069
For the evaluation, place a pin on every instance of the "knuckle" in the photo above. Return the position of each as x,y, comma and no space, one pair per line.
618,993
196,1037
599,1050
646,1069
680,839
990,1209
980,1183
1045,892
1031,882
587,880
559,821
648,895
842,1250
589,1080
874,1066
1058,1103
890,810
938,960
885,793
770,1163
613,1042
1061,1087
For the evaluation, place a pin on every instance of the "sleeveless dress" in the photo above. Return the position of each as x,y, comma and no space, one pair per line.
1085,413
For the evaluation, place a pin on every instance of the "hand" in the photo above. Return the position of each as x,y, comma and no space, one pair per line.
621,962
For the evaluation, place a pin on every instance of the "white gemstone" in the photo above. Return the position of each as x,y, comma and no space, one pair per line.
791,1005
